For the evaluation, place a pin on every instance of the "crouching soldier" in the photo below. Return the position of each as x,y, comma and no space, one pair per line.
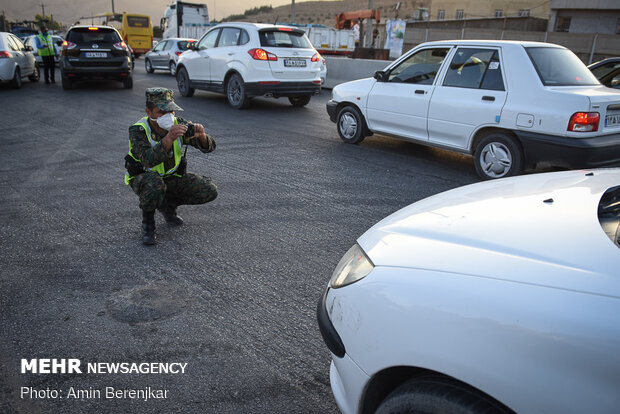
156,163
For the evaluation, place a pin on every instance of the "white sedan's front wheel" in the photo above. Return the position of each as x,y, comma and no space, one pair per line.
350,125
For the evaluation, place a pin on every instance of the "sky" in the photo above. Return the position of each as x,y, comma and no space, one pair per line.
68,11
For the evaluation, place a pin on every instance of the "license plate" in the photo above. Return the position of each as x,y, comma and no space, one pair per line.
95,54
295,63
612,120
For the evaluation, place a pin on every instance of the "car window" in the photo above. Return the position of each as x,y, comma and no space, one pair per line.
208,40
169,45
229,37
86,35
419,68
184,44
14,43
608,74
476,69
284,38
161,46
245,38
560,67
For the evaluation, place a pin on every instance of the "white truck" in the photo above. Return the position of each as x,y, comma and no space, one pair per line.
330,41
182,19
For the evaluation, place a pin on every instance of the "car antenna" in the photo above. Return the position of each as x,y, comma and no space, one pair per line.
276,21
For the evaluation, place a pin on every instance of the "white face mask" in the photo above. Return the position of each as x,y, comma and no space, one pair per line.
165,121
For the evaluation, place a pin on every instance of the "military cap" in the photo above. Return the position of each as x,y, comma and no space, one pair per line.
162,98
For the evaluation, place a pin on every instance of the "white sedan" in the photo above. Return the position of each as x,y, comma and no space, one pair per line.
498,297
512,105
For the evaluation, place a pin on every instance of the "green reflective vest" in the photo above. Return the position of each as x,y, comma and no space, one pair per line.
48,45
159,168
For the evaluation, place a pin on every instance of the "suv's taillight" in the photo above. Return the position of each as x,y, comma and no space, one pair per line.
584,122
316,57
260,54
68,45
5,55
120,46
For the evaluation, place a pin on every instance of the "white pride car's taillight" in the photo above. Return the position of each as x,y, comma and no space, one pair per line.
353,266
584,122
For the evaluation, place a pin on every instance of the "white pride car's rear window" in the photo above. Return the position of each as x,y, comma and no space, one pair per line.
560,67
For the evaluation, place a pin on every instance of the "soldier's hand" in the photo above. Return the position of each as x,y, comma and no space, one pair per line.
199,128
177,131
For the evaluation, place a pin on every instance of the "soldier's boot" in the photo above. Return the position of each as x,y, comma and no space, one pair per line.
148,227
168,209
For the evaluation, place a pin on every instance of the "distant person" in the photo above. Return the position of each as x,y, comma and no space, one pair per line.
156,164
47,51
376,39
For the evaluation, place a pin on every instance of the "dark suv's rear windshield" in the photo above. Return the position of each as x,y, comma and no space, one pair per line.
560,67
282,38
86,35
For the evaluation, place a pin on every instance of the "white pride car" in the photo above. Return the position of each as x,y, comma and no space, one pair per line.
244,60
512,105
497,297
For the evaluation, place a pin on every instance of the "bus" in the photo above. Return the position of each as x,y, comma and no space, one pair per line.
136,30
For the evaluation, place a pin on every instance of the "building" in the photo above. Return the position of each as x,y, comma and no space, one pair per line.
476,9
578,16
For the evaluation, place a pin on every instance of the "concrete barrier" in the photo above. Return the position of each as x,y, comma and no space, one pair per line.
341,69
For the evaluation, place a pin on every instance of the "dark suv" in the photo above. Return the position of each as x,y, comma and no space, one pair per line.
95,52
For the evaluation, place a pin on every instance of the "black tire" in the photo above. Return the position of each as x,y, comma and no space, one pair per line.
173,67
498,155
299,101
148,66
67,84
236,93
128,82
16,82
36,75
350,125
183,83
437,395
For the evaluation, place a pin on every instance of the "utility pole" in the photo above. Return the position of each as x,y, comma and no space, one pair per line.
112,6
293,10
42,10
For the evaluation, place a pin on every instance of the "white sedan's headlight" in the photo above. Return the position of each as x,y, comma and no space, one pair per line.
353,266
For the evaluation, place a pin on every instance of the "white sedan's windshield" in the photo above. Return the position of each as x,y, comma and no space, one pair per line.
560,67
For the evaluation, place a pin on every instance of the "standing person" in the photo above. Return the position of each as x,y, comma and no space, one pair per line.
156,164
47,51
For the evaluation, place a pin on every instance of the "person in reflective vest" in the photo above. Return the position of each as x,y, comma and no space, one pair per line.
156,165
47,51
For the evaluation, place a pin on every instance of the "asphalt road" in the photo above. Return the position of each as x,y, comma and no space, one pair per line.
232,292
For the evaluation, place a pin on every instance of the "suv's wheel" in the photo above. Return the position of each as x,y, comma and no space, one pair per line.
436,395
148,66
235,92
299,101
67,83
350,125
128,82
498,155
184,84
35,74
16,82
173,67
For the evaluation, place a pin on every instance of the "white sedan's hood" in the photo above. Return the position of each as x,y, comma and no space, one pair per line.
540,229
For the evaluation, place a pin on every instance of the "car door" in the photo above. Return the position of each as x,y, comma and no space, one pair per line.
224,53
472,94
198,63
399,105
157,59
20,55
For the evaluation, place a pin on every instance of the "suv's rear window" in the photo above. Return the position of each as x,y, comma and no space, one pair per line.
560,67
280,38
84,35
135,21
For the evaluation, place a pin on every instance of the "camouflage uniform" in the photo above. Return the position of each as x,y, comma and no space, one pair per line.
151,188
173,187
